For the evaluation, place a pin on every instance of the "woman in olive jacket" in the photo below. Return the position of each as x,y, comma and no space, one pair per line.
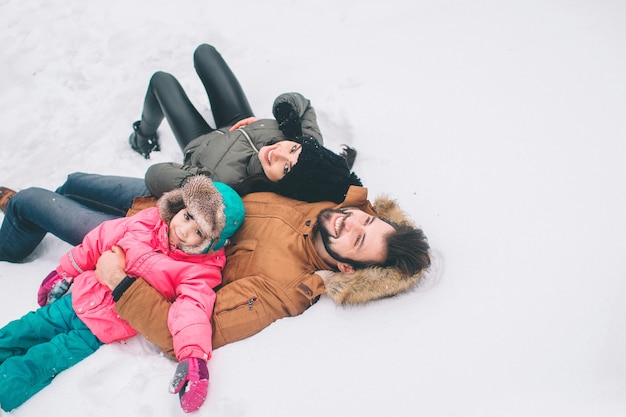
231,155
233,151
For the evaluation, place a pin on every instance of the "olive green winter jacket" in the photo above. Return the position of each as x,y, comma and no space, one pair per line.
230,157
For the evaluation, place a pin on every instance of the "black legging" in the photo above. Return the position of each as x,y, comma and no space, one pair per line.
166,98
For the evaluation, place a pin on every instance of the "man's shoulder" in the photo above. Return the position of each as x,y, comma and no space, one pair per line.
357,197
141,203
267,201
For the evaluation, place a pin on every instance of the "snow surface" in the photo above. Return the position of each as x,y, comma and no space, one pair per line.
498,125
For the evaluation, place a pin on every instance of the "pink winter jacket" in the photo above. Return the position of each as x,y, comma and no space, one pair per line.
186,280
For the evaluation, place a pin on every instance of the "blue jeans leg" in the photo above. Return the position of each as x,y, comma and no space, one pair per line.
79,205
33,212
106,193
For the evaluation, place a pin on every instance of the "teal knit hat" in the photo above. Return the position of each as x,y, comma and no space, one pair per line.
234,211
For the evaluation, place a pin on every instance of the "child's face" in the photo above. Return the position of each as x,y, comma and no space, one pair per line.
184,230
277,159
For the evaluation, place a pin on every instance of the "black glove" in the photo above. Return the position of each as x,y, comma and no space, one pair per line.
288,120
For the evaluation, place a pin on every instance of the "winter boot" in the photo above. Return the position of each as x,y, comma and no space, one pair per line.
143,144
5,196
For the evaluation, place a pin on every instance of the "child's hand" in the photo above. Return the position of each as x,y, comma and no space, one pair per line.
52,288
244,122
191,382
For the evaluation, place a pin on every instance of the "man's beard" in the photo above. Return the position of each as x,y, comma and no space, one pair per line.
326,235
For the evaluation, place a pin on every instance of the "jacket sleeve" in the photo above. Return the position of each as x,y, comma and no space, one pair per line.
242,309
167,176
147,311
307,114
85,256
189,318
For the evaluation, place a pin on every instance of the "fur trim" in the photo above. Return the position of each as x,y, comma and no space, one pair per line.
388,209
375,282
369,284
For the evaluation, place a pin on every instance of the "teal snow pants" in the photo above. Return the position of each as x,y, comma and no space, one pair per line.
35,348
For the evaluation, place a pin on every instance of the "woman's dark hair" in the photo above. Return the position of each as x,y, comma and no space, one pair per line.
349,153
259,182
254,184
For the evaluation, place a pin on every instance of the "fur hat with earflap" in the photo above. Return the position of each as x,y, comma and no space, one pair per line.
215,206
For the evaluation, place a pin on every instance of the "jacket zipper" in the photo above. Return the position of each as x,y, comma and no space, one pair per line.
248,303
249,140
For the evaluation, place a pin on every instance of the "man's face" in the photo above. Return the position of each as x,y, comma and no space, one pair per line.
351,234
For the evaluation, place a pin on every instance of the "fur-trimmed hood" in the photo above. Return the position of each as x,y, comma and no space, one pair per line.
374,283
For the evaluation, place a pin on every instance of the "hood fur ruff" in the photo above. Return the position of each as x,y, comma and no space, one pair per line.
374,283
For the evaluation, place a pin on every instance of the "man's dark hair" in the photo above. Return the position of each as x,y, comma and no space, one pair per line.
407,249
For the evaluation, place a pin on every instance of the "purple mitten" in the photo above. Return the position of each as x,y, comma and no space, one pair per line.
52,288
191,382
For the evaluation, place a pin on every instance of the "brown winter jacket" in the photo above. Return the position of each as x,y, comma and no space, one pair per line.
269,272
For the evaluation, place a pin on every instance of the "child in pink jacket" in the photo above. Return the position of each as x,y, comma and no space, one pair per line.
177,245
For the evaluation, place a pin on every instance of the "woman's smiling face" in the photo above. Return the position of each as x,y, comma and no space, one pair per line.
278,159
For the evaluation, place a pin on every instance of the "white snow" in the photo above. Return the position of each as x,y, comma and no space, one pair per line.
498,125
